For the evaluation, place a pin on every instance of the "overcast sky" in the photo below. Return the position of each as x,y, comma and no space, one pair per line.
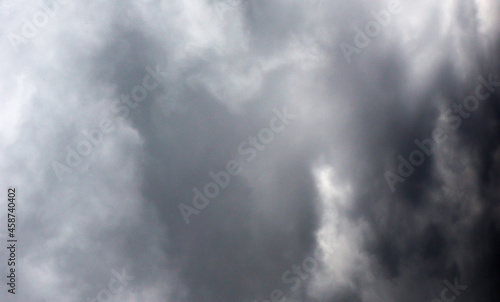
251,150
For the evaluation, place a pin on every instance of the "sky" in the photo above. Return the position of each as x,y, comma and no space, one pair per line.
250,150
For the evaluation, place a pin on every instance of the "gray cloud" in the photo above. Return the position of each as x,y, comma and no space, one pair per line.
319,186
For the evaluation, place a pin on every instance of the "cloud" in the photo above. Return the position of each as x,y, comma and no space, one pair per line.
319,186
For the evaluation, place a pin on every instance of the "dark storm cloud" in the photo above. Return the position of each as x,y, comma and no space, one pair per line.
319,185
422,229
245,232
